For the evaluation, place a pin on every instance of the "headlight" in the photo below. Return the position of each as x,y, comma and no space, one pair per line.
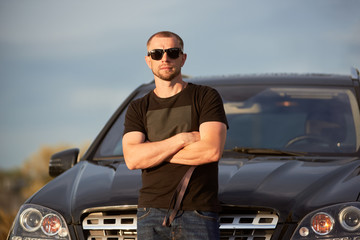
349,218
30,219
341,221
37,222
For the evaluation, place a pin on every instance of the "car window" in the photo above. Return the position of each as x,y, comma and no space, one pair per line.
112,143
292,118
324,120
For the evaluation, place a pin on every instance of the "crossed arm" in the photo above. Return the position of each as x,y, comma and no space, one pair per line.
189,148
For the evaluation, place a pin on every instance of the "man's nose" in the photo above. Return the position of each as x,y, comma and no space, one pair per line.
165,57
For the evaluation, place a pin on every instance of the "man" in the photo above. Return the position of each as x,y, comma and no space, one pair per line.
174,127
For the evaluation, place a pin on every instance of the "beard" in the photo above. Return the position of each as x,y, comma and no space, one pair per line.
167,75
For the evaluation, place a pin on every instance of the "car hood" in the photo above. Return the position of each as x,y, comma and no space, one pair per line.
288,186
89,185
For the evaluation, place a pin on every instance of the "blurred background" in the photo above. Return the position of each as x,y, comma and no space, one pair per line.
65,66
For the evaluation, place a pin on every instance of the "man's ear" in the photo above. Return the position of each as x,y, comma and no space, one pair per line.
184,56
148,61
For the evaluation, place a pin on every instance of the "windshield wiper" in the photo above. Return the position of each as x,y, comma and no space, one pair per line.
267,151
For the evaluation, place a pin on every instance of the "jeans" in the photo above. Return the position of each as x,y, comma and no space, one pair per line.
192,225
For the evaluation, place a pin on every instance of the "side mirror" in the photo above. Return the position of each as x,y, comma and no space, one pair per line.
62,161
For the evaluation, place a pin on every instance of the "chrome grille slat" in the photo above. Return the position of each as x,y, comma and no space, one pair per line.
110,222
256,222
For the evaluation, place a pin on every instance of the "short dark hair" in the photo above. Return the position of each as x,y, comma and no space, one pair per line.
166,34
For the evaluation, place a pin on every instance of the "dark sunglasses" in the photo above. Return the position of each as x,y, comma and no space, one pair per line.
157,54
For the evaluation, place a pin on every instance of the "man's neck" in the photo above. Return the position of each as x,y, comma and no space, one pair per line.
166,89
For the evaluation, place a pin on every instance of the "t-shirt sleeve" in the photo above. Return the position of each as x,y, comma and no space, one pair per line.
212,108
134,119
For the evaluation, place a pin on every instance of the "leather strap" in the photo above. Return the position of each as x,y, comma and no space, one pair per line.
178,197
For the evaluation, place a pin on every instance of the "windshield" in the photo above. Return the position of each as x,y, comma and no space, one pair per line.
313,120
292,118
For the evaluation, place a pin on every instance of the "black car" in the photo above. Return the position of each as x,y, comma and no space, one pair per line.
290,169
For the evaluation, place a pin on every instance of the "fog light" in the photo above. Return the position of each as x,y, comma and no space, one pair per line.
350,218
304,231
322,223
63,232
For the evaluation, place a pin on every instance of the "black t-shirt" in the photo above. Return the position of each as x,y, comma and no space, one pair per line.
161,118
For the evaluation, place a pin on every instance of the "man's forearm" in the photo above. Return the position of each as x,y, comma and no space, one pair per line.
141,155
197,154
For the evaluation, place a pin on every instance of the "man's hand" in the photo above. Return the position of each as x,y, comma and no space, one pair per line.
208,149
189,137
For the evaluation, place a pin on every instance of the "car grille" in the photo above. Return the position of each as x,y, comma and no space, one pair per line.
235,224
111,225
248,226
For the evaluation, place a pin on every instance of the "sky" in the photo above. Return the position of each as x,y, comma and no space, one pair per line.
65,66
